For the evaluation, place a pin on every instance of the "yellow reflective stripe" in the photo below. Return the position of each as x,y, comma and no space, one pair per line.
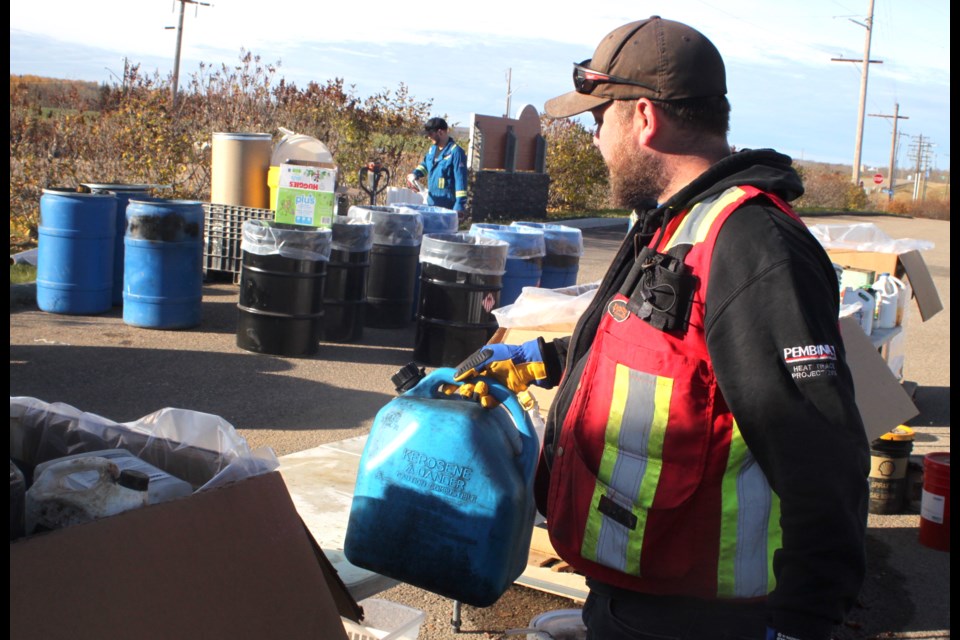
461,194
440,182
729,515
774,538
697,222
608,460
421,169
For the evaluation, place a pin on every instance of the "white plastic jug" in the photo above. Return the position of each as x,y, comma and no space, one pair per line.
866,300
80,490
295,146
887,290
163,486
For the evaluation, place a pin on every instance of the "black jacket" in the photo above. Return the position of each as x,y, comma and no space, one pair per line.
772,288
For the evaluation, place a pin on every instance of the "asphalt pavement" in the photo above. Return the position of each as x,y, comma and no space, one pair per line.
101,365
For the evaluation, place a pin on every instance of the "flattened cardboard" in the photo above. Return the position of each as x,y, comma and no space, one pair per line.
233,562
909,264
881,400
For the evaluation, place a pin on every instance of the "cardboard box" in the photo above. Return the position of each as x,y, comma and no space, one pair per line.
306,194
234,561
909,265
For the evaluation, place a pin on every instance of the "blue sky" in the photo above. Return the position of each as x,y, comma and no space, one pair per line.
785,91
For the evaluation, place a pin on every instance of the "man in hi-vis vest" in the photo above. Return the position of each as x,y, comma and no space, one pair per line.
704,463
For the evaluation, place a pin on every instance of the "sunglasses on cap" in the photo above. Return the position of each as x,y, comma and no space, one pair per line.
585,80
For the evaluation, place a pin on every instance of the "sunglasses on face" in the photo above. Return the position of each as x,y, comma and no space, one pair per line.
585,80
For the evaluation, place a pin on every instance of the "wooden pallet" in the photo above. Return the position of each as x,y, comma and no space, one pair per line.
547,572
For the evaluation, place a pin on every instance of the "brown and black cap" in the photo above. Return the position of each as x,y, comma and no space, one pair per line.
654,58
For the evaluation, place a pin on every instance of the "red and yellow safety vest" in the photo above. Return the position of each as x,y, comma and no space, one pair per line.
652,487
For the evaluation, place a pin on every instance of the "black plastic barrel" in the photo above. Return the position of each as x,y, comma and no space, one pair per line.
524,257
460,284
163,264
124,193
889,459
393,264
345,291
75,251
564,246
280,310
435,220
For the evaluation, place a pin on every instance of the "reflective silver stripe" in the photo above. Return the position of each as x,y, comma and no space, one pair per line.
635,406
754,499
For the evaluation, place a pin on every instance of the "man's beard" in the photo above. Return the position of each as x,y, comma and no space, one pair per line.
637,177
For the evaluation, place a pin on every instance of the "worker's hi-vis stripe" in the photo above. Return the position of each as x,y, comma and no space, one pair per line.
461,194
696,224
749,526
642,401
421,169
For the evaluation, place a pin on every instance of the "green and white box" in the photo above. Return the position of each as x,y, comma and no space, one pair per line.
306,193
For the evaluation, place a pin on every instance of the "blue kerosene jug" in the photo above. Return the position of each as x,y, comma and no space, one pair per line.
444,494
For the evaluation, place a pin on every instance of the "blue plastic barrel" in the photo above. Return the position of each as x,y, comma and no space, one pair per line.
444,493
124,193
435,220
524,257
564,246
163,264
75,251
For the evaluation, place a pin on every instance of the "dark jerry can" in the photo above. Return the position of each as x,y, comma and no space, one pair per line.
444,493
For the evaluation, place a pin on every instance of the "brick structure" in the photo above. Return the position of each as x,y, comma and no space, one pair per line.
507,167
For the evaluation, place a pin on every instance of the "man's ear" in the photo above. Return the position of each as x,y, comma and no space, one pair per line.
646,121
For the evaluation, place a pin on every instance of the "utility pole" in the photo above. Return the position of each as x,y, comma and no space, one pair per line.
893,144
868,25
509,92
922,157
176,58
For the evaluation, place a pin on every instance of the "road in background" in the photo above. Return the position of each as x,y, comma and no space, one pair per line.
101,365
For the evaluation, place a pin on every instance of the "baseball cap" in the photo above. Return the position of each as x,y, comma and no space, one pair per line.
654,58
435,124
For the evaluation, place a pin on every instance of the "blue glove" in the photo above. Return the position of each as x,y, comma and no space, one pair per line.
515,366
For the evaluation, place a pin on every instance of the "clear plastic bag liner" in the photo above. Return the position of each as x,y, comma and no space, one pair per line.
559,239
547,309
392,226
267,238
864,236
465,253
200,448
435,219
353,235
525,242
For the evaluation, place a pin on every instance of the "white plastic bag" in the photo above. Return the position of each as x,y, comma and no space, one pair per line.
547,309
864,236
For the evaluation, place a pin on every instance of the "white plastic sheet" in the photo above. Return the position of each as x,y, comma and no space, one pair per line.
547,309
864,236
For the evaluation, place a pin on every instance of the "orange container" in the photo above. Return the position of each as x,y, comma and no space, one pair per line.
935,506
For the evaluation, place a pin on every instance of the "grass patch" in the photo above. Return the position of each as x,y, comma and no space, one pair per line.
22,273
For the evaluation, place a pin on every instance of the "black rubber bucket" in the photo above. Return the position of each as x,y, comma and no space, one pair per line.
392,277
889,460
345,291
280,311
460,284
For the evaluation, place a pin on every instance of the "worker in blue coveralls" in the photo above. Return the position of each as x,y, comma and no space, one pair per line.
445,167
